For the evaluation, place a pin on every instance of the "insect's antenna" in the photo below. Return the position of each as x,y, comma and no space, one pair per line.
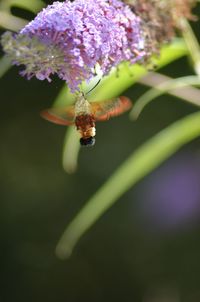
94,86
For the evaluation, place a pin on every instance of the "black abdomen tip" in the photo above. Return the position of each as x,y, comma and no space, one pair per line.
89,141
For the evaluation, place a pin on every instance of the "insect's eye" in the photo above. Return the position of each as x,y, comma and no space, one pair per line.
90,141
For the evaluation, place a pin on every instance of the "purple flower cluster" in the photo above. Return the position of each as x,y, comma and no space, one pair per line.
84,33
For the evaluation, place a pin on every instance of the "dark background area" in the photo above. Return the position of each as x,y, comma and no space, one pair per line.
145,248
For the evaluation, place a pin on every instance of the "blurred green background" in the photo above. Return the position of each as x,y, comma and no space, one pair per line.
146,248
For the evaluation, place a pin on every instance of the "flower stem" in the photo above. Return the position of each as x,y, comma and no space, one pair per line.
11,22
140,163
192,44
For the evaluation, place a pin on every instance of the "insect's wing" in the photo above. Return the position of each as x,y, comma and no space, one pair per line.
60,116
109,108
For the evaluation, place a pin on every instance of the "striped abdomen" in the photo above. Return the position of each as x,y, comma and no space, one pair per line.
85,124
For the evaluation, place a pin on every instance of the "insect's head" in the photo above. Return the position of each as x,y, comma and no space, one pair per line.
89,141
84,94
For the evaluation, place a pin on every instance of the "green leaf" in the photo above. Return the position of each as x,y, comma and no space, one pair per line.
140,163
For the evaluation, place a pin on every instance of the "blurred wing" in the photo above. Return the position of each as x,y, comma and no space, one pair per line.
60,116
106,109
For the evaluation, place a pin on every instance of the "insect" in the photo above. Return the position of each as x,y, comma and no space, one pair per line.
84,114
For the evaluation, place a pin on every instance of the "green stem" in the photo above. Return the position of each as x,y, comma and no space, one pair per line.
171,86
33,6
11,22
5,64
140,163
71,150
192,43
